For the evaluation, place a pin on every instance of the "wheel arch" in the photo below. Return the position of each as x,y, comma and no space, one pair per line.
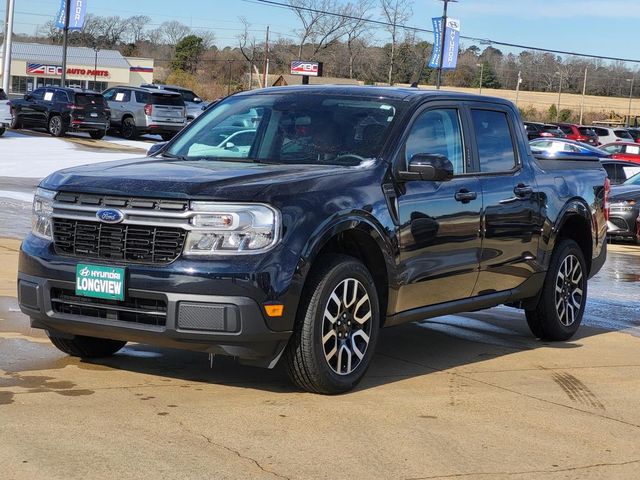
575,223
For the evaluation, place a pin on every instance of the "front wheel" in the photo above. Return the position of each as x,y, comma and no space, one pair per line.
87,347
560,308
16,123
167,136
2,130
336,329
128,129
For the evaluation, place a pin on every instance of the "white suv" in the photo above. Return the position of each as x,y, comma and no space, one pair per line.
5,112
610,135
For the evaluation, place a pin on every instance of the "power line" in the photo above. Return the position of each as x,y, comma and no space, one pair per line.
418,29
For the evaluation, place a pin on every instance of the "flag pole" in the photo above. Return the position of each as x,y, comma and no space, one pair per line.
6,56
65,40
443,31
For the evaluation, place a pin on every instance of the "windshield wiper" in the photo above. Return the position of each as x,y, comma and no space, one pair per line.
171,155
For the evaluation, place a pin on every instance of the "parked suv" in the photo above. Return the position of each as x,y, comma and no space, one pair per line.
60,110
195,105
354,208
5,112
610,135
135,111
539,130
579,133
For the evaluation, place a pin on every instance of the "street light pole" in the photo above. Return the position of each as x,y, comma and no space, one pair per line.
95,68
65,40
584,91
559,96
630,97
518,86
6,56
481,65
443,39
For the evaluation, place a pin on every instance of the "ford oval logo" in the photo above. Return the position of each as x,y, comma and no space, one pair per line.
110,215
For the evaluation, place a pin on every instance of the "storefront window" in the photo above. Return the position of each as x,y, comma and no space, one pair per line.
19,84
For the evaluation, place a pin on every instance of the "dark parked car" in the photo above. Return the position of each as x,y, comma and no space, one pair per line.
60,110
579,133
635,134
624,219
619,171
538,130
354,208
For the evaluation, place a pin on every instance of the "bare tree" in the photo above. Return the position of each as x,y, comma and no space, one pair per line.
174,31
249,50
319,27
395,13
137,28
356,29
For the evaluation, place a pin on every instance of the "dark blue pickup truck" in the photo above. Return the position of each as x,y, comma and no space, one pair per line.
291,224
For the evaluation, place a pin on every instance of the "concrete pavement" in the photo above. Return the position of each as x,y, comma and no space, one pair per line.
466,396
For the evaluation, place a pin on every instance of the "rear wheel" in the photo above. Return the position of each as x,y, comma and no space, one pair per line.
2,130
56,128
98,134
559,311
336,329
16,123
128,128
87,347
167,136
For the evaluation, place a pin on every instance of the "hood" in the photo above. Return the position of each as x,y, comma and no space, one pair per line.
206,179
620,193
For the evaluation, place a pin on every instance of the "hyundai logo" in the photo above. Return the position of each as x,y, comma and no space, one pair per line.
110,215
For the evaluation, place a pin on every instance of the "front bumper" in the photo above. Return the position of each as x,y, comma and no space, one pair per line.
624,223
201,312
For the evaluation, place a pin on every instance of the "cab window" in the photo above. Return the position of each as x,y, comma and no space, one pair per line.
494,141
437,132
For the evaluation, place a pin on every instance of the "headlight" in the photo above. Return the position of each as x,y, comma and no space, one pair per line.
223,229
42,211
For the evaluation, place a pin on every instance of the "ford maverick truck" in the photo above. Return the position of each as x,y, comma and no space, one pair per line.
291,224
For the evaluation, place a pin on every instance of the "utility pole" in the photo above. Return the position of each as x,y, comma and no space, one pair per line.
518,86
266,59
481,65
6,54
67,14
443,40
630,97
584,91
559,96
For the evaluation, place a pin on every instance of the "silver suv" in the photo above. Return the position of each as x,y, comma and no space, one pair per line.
195,105
135,111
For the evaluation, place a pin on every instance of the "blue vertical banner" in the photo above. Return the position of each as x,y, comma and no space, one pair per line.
78,13
451,43
437,42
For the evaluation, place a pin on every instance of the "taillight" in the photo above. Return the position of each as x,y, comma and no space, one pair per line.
607,190
581,138
148,109
73,106
546,134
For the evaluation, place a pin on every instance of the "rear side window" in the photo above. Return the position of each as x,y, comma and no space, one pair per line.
493,138
586,131
437,132
172,100
623,134
142,97
567,130
61,96
601,132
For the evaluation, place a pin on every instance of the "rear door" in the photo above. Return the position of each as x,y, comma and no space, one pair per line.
511,223
27,112
167,108
439,221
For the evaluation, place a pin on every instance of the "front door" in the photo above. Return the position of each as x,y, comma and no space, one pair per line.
511,222
439,221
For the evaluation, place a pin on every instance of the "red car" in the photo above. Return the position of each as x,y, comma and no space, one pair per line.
623,151
579,133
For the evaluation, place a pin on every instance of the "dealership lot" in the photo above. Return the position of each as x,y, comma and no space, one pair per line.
471,395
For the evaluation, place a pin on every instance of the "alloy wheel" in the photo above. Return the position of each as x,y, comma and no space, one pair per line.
346,326
55,125
569,290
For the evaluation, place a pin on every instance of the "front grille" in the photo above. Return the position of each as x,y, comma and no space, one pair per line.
145,311
619,222
122,242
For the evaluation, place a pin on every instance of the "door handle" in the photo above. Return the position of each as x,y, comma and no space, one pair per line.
522,190
465,196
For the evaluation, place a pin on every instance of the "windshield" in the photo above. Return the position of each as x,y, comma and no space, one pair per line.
635,180
291,128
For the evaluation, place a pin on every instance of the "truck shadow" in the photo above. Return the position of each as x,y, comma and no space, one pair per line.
402,352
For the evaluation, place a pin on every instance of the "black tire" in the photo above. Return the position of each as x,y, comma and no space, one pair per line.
87,347
16,123
128,129
308,363
167,136
2,130
98,134
56,126
559,311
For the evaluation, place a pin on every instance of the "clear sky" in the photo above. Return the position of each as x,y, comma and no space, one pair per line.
600,27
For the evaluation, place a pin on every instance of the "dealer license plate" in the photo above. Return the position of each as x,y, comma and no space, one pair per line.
100,282
94,115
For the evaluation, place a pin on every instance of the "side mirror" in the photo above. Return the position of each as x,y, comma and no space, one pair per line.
156,148
28,97
229,145
197,100
427,166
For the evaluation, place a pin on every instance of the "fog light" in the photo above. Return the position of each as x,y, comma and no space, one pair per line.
274,310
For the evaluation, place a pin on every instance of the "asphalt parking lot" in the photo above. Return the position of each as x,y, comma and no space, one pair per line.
464,396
